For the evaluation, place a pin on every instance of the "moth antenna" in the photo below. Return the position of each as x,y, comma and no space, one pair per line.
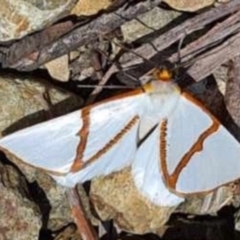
178,63
137,80
104,86
133,52
179,49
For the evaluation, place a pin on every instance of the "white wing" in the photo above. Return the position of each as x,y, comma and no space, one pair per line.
188,152
201,154
87,140
147,173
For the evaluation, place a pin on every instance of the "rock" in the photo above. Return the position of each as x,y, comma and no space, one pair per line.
22,104
189,5
59,212
90,7
21,17
69,232
116,197
20,216
149,22
59,68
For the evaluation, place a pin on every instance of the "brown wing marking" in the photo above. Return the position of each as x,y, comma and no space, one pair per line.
171,180
79,164
84,132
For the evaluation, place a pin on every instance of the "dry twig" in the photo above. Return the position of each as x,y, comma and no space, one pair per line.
78,37
85,228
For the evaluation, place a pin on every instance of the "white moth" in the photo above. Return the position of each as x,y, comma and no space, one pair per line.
174,144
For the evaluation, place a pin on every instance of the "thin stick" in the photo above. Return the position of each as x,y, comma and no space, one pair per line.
106,86
98,89
84,226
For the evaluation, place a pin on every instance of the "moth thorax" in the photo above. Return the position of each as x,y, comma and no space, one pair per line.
164,87
162,81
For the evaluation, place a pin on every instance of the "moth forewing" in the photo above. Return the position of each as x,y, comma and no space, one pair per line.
50,145
82,139
116,155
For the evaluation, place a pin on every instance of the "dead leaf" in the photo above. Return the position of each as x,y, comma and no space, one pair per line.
59,68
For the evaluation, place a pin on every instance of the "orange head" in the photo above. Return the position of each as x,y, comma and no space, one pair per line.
163,74
161,81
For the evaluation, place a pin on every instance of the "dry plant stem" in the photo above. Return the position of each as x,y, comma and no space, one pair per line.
232,95
108,22
81,35
175,34
32,43
96,64
218,32
103,81
85,228
206,63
